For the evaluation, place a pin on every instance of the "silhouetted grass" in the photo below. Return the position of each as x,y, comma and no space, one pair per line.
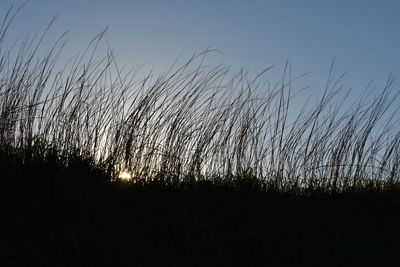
223,173
75,219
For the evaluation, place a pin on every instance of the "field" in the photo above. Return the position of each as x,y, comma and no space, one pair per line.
222,171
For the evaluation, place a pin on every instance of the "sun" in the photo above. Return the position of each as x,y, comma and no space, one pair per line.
125,175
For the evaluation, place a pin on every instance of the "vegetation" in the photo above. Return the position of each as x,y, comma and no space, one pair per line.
223,173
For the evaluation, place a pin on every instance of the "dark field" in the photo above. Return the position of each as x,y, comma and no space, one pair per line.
75,216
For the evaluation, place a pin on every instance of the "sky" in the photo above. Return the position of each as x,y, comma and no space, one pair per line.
361,36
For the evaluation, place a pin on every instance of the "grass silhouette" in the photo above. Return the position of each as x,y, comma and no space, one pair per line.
222,173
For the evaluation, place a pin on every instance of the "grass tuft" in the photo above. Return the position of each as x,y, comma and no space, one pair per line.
223,171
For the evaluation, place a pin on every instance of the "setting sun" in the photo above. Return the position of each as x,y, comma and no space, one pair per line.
125,175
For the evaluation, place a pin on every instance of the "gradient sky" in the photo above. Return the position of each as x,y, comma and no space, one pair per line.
363,37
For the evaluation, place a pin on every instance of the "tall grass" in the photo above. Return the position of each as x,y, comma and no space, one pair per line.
193,121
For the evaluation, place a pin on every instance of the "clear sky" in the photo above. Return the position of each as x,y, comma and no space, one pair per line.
362,36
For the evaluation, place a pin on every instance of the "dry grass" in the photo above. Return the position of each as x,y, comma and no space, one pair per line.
225,173
192,121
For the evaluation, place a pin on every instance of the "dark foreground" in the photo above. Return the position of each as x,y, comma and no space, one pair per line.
71,219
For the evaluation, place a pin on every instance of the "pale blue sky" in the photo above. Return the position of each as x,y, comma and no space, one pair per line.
362,36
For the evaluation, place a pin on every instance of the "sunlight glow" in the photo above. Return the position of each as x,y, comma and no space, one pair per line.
125,175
